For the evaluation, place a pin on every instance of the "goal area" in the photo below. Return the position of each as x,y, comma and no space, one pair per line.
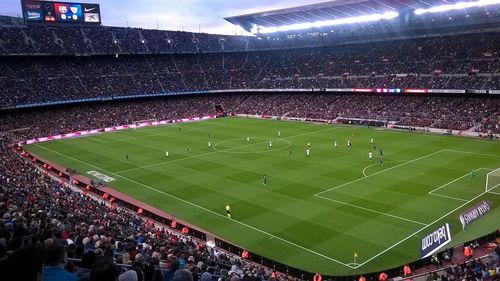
492,180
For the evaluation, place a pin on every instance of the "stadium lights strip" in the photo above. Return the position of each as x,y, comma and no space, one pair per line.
300,26
456,6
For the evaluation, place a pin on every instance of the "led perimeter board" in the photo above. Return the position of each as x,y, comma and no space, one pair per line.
37,12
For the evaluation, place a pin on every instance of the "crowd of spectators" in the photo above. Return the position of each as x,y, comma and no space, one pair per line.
40,215
478,269
434,63
458,112
43,222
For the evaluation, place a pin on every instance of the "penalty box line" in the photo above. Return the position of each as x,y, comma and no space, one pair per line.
419,230
437,220
370,210
204,209
448,183
379,172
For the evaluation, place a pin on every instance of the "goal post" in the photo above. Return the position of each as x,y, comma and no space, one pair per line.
492,180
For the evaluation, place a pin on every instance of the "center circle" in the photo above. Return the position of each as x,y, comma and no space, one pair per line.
253,146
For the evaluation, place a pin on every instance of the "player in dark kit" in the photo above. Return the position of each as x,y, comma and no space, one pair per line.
126,156
472,174
381,160
381,152
264,180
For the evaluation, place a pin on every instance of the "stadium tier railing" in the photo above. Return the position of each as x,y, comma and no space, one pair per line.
394,91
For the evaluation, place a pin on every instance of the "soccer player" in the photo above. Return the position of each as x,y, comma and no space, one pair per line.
179,128
371,141
309,145
279,133
335,144
290,152
308,152
264,180
349,144
228,211
381,160
166,153
270,144
126,156
187,149
370,155
472,174
381,152
248,139
209,144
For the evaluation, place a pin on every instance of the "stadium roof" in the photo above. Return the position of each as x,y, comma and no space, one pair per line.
330,10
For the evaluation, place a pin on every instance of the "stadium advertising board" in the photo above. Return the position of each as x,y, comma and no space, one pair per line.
474,213
53,13
115,128
435,240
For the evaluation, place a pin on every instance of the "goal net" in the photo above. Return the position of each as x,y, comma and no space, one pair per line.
493,180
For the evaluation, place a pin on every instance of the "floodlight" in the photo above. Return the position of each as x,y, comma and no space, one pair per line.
359,19
456,6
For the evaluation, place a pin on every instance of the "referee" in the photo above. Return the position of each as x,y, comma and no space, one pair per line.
228,211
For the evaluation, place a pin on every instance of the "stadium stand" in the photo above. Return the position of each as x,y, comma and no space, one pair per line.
431,63
92,65
33,217
457,113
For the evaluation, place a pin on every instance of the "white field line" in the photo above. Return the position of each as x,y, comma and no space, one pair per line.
449,197
94,139
393,161
220,150
165,133
385,170
476,153
492,192
202,208
418,231
370,210
446,184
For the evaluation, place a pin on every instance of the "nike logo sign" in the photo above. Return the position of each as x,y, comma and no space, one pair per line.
89,10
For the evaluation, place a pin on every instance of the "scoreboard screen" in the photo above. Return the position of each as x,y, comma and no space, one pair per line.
55,13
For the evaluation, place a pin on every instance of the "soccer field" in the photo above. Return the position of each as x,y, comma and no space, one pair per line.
314,212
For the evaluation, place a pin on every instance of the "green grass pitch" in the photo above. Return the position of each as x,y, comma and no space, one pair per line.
314,212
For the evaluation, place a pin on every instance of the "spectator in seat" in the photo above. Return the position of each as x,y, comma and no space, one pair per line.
88,260
56,261
24,264
104,270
